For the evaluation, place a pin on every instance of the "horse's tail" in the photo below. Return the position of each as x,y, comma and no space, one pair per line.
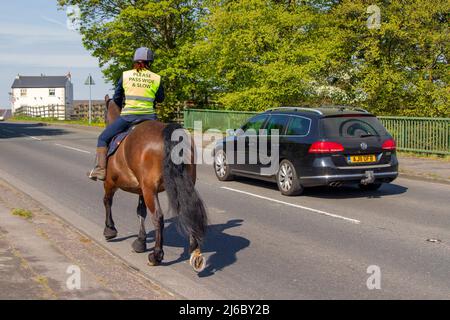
183,197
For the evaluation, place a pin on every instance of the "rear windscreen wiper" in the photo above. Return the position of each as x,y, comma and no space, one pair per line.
367,135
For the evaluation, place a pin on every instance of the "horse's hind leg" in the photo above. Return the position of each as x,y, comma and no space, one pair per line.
110,229
152,202
140,244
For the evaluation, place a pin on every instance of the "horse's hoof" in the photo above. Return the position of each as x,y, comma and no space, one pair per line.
154,260
197,261
139,246
110,233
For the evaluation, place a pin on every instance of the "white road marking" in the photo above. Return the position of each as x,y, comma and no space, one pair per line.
296,206
34,138
72,148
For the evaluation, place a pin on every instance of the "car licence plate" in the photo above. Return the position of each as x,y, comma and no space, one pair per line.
370,158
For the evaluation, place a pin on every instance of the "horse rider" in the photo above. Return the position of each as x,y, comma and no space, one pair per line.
138,91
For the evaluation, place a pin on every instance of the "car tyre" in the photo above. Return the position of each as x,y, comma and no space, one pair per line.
287,179
221,167
370,187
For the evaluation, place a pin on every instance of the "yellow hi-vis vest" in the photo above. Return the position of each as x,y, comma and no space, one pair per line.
140,91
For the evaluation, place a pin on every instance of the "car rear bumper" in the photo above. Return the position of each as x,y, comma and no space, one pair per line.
346,178
324,172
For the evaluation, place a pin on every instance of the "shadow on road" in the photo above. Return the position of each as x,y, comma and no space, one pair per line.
344,192
223,246
19,130
353,191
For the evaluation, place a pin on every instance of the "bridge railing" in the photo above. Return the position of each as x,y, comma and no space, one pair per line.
421,135
424,135
216,119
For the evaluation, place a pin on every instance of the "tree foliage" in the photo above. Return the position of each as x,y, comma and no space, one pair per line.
402,67
256,54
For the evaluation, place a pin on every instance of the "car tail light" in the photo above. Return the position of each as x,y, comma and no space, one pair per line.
326,147
389,145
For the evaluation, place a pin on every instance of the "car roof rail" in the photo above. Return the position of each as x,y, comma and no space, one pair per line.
361,109
295,109
342,108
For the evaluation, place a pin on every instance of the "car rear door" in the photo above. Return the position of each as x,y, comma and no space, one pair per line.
297,140
278,124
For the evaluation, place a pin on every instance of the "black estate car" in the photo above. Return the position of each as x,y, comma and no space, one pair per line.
316,147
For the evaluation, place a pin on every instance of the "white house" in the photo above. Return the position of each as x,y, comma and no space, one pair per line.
42,96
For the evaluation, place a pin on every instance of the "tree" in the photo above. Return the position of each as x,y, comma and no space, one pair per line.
258,54
400,67
113,29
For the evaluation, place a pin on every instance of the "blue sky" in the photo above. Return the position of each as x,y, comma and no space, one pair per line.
34,40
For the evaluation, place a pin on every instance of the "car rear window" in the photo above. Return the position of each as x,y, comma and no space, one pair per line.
298,126
352,127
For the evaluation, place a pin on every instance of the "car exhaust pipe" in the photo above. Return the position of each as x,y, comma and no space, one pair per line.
335,184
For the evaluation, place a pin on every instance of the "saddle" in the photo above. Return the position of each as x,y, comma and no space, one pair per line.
118,139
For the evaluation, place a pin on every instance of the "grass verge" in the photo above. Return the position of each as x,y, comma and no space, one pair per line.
95,123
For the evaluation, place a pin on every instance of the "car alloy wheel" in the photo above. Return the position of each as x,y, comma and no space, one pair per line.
221,167
221,164
286,177
288,181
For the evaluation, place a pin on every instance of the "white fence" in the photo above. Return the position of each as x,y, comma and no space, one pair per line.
59,112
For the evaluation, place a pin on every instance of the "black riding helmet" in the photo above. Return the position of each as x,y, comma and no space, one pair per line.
144,54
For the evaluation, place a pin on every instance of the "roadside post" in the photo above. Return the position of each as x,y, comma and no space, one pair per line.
90,82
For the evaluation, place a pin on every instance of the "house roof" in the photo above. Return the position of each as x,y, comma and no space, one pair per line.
40,82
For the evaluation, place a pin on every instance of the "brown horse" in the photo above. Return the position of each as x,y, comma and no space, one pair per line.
142,165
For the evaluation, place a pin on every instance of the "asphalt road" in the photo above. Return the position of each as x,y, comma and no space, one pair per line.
260,244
